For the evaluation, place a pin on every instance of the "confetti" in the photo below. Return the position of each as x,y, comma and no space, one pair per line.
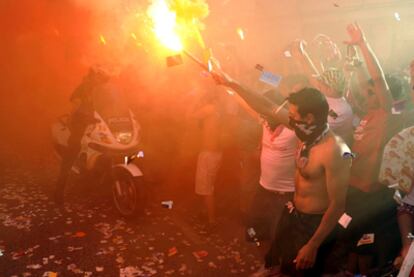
130,271
34,266
167,204
345,220
172,251
252,234
183,268
397,16
79,235
120,260
366,239
212,265
200,254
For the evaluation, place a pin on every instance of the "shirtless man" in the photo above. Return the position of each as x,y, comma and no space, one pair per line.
322,177
210,155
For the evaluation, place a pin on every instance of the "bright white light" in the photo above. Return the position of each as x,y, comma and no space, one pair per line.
397,16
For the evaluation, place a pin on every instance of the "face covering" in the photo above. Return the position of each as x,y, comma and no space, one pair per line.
304,131
309,134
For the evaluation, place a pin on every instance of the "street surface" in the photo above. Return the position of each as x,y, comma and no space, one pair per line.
89,237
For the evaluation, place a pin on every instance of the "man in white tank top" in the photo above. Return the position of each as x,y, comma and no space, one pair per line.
277,184
277,166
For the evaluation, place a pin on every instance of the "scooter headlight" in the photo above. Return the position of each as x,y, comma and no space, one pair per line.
123,137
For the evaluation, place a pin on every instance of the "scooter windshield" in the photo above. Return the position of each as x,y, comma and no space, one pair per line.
110,104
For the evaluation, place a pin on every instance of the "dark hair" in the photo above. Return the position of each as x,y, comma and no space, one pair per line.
396,86
310,100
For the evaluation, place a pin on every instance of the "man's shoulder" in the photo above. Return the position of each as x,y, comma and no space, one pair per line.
334,148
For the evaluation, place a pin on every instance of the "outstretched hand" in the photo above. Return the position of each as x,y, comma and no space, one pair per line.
355,34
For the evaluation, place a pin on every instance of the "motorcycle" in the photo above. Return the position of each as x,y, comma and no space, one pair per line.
109,148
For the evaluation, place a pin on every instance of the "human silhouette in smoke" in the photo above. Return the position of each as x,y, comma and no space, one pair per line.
81,116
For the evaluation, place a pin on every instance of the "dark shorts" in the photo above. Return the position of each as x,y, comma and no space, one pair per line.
373,213
266,210
293,232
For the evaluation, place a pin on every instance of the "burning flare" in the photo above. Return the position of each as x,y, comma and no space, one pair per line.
165,25
176,20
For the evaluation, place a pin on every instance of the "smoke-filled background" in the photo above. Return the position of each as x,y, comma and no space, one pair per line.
47,46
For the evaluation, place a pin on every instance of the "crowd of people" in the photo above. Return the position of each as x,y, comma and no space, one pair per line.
333,193
332,168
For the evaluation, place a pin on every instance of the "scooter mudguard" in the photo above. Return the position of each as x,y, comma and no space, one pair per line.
131,168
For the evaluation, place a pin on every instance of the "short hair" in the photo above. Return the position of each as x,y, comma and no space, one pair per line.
310,100
396,86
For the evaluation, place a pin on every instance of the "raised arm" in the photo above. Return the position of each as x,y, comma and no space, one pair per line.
357,37
257,102
246,107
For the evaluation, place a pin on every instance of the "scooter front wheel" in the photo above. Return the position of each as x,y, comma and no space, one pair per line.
124,193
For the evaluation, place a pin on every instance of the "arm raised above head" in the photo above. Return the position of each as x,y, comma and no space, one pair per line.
375,71
257,102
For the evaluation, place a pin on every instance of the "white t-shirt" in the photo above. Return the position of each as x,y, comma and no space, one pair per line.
277,160
342,123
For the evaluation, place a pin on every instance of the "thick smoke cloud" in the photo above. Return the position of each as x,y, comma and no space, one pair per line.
47,46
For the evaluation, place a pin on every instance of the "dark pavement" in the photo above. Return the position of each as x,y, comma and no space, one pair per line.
89,237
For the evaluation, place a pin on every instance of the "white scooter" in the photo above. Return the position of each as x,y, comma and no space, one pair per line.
108,149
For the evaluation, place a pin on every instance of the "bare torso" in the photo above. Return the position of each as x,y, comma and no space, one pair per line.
311,194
